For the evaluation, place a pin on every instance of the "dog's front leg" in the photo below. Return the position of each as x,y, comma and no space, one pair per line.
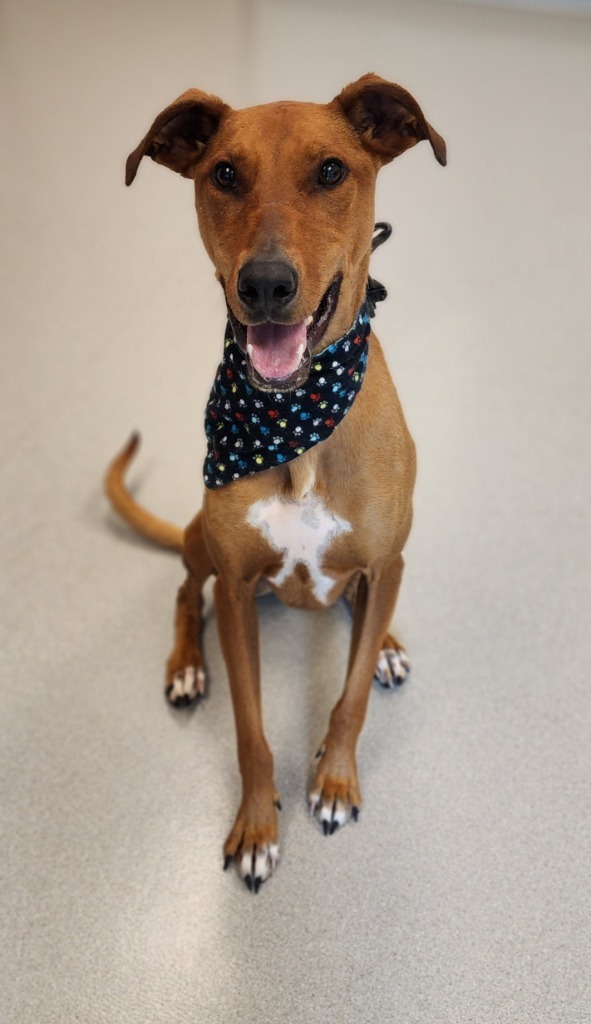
253,841
335,793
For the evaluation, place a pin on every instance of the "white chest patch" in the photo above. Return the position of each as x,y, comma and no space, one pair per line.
301,531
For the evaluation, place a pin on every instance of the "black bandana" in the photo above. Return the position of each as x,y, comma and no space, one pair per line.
250,430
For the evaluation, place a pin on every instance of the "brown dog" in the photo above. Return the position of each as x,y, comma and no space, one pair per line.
284,197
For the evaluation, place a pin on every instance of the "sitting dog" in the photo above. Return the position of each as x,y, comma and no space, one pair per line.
310,466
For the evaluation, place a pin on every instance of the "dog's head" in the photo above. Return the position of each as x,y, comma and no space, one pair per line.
285,200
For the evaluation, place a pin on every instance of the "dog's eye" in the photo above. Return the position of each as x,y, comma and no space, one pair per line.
332,173
224,175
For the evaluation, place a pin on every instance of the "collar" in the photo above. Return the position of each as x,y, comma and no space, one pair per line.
250,430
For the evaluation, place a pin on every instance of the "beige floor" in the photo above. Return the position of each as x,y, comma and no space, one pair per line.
463,893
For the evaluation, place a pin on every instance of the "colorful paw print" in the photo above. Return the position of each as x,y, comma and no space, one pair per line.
249,430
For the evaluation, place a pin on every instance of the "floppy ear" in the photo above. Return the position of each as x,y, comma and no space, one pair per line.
179,134
387,118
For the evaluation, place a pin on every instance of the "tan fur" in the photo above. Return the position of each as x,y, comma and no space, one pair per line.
158,530
303,473
363,475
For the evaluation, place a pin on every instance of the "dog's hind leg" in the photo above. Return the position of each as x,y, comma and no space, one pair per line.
393,665
185,673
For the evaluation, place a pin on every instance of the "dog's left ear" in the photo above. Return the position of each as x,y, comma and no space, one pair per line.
387,118
179,134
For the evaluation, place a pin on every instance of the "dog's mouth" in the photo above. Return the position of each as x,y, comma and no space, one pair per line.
279,356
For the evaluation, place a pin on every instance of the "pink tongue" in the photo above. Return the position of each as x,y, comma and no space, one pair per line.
276,350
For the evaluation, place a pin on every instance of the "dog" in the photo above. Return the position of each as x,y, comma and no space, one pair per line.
310,467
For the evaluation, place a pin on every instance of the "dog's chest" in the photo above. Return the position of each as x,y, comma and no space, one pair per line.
302,531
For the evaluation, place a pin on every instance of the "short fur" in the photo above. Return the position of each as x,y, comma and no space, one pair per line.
363,474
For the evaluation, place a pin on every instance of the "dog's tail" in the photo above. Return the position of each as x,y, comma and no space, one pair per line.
158,530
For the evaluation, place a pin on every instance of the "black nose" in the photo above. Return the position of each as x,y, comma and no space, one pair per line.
267,286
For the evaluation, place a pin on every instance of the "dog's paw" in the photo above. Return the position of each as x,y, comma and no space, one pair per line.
253,847
255,865
393,668
186,686
332,814
333,800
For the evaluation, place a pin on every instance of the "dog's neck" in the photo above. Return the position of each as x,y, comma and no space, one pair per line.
249,430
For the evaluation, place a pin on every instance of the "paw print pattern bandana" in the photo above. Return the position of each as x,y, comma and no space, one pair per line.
250,430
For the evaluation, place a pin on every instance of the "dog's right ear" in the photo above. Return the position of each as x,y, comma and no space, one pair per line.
179,134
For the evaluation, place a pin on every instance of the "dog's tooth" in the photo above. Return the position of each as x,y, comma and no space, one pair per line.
309,320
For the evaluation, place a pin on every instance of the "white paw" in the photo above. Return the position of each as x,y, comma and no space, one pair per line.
257,865
392,669
186,686
332,814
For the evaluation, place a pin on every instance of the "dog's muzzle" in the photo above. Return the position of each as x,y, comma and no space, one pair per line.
279,353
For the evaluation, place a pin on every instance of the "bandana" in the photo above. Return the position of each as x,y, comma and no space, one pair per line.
250,430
